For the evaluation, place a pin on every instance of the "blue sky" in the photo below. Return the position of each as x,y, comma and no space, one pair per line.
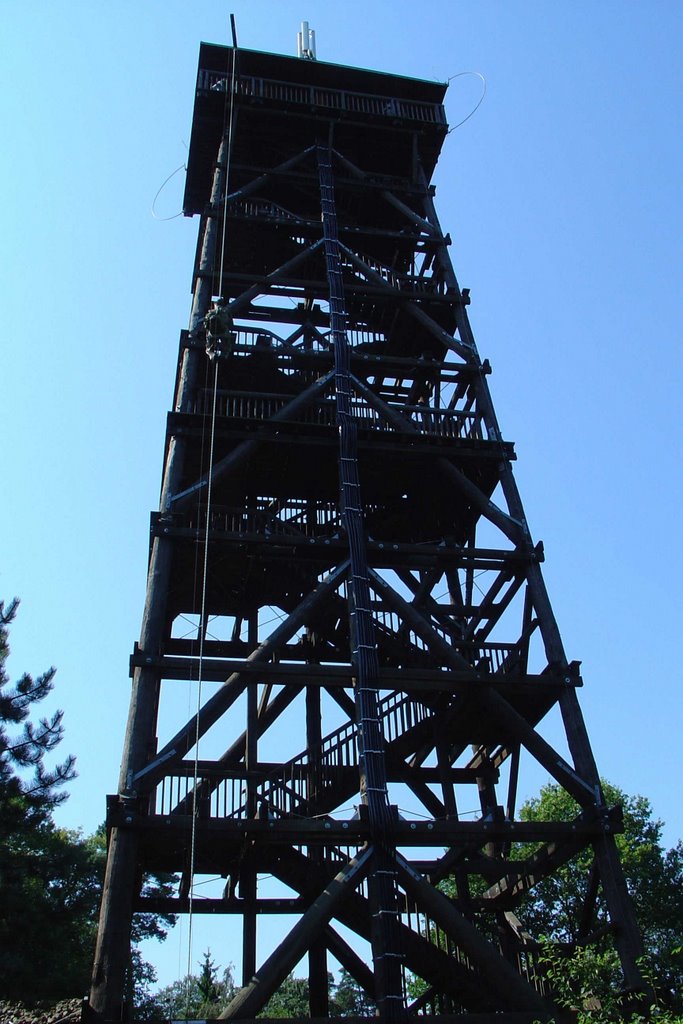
562,196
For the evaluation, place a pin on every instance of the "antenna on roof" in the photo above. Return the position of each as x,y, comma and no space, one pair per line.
305,42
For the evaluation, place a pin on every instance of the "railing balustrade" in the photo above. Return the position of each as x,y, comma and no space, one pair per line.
341,100
294,789
394,278
429,420
296,518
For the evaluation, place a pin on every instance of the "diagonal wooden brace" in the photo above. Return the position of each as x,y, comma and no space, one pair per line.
586,794
311,928
256,183
505,523
499,974
263,286
217,705
243,451
410,306
411,215
491,700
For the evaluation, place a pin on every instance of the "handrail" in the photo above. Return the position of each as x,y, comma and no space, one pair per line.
341,100
262,406
286,792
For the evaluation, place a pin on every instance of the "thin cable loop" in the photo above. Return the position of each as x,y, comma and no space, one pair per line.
163,185
472,112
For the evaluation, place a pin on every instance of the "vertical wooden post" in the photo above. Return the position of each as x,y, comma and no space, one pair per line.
112,951
248,877
317,954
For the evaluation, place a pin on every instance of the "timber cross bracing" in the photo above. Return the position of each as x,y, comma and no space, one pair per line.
378,651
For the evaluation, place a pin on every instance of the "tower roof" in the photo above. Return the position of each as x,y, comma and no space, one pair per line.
284,103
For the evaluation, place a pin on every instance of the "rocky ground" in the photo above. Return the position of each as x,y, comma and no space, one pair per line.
68,1011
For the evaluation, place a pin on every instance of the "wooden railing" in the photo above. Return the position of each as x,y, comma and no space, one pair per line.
340,100
301,786
430,421
293,519
395,279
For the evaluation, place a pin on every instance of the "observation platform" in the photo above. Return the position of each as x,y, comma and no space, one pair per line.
381,116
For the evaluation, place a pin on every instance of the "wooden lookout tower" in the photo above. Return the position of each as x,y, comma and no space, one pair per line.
342,577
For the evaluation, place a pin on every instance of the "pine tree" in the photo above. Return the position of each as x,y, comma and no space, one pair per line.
208,980
37,861
194,997
29,791
50,878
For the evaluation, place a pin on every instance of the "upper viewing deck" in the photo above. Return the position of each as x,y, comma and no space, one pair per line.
283,104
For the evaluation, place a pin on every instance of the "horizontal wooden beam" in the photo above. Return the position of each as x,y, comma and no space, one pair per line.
520,878
306,674
381,554
312,831
181,905
261,772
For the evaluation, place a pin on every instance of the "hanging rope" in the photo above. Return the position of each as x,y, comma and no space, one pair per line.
227,170
202,632
205,567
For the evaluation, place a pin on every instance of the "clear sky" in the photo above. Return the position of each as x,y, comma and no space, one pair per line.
562,196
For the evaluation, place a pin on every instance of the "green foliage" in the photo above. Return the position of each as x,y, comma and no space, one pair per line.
654,877
206,994
50,878
44,871
588,983
346,999
290,1000
50,885
28,789
349,998
194,997
207,983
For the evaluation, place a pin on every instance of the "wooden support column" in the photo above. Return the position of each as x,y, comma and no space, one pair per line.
247,892
112,952
318,989
317,953
248,880
627,935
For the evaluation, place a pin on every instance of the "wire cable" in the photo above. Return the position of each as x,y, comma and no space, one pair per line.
183,167
472,112
227,169
202,619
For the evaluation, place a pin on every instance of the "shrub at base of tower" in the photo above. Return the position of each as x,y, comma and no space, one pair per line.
654,877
